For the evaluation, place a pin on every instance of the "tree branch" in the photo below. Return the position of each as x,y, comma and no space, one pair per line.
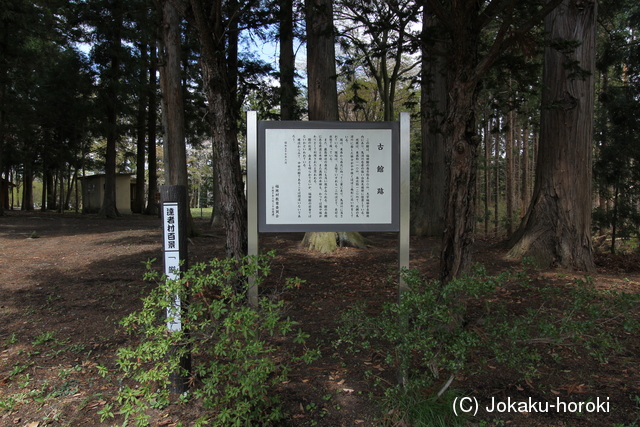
439,11
501,44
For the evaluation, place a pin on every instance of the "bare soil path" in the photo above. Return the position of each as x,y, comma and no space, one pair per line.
67,280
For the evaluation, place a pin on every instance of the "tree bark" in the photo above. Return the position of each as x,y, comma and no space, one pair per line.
323,100
524,193
175,152
27,187
208,20
556,231
226,158
509,175
321,66
175,157
216,213
61,200
3,189
287,63
487,173
496,176
141,135
109,209
463,22
152,207
73,183
461,158
428,218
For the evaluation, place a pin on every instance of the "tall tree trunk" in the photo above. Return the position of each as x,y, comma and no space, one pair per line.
51,191
152,121
487,174
3,74
43,198
461,158
323,101
227,158
175,157
141,135
321,67
7,194
175,151
524,193
463,22
509,178
556,230
209,23
496,176
428,218
287,63
109,209
216,213
62,193
73,183
27,187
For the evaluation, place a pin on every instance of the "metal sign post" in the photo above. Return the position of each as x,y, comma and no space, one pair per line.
174,236
405,203
252,198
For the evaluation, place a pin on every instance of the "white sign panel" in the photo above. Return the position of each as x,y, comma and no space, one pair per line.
328,176
170,224
172,259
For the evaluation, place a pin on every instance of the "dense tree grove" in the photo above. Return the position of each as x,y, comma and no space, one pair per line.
157,90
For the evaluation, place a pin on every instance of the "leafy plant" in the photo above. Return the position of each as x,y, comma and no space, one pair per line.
229,340
430,334
424,330
44,337
425,337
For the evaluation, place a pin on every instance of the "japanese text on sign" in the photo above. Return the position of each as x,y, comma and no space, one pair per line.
172,260
170,226
328,176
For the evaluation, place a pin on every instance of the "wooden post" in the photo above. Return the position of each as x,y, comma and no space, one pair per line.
174,231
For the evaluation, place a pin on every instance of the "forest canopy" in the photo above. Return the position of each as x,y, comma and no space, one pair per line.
158,90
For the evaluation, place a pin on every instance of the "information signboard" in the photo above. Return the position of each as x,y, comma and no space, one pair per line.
171,239
328,176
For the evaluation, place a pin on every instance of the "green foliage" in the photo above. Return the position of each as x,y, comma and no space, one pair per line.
233,368
410,407
431,334
424,333
431,339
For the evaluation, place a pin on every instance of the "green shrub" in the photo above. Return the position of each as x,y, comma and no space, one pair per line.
230,342
423,336
423,332
430,335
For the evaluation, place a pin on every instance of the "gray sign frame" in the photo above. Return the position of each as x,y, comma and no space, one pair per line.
402,160
329,225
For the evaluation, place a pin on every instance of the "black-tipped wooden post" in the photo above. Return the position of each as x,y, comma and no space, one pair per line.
173,200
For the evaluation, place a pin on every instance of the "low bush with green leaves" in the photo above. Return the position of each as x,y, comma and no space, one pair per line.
231,343
422,336
434,329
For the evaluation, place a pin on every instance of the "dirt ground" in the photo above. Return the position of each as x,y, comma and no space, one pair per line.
67,280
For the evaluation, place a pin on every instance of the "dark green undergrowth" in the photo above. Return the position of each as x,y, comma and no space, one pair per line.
512,319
